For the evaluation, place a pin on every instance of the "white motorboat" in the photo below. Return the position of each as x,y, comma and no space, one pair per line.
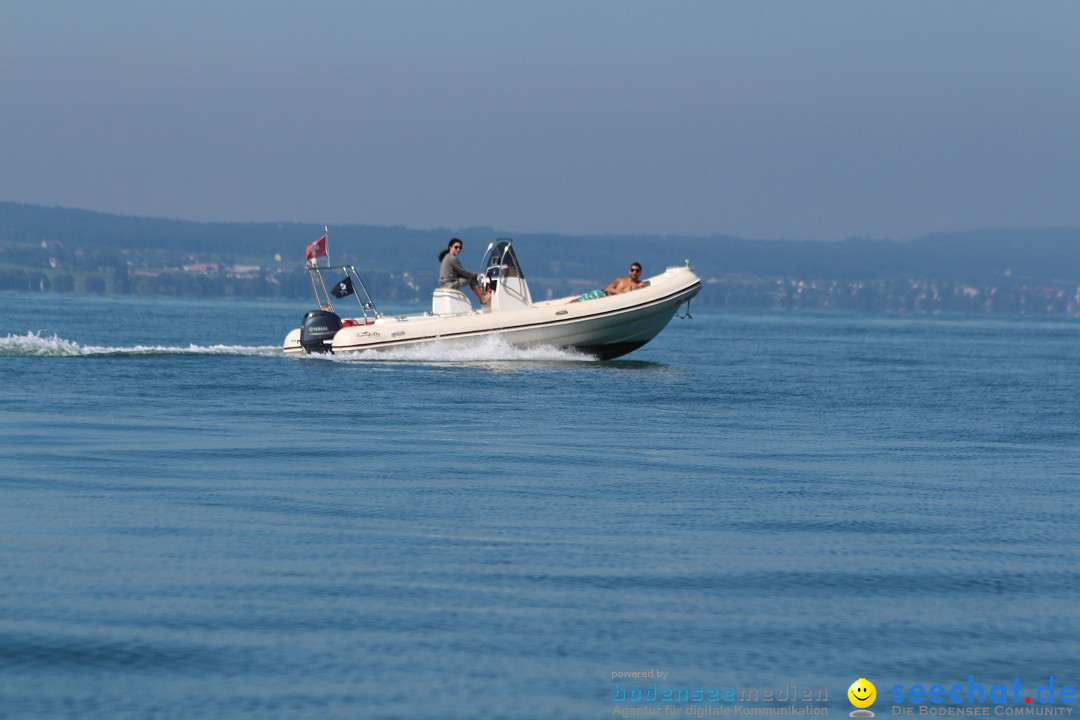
605,327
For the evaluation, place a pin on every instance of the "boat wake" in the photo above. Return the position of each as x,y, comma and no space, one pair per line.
33,344
487,350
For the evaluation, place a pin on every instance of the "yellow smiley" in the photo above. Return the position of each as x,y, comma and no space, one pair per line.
862,693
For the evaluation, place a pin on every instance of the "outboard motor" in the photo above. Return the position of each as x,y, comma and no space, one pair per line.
318,330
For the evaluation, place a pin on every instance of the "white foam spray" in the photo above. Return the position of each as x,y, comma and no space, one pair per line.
34,344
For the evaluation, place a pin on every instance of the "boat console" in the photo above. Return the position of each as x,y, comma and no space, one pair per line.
503,276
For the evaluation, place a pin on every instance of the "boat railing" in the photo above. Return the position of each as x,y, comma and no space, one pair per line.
352,284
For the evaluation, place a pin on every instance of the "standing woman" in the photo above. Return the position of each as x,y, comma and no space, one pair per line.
453,275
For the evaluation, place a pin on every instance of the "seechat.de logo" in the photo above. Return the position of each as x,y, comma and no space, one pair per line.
976,693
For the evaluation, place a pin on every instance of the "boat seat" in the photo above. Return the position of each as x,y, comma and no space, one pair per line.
448,301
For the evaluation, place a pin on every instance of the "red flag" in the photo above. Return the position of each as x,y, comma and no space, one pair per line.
317,249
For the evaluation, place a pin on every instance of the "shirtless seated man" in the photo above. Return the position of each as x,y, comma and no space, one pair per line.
618,285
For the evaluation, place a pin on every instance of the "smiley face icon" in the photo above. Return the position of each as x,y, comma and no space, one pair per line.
862,694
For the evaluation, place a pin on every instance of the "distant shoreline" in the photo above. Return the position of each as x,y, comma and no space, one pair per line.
1000,272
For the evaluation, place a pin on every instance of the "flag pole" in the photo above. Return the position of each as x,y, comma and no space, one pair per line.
326,234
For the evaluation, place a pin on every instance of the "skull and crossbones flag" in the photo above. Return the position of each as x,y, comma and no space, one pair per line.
343,288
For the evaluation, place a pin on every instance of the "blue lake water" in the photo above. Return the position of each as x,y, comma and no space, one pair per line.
194,526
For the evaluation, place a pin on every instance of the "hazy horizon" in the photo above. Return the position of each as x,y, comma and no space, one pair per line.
759,120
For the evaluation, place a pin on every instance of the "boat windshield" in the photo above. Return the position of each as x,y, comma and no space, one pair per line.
500,261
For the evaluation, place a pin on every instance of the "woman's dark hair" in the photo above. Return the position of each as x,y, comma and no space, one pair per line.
448,246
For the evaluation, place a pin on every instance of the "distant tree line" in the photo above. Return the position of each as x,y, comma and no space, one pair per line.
1001,271
294,284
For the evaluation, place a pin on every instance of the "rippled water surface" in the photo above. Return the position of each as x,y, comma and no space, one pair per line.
195,526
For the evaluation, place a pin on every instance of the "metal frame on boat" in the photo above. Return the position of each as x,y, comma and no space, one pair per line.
606,327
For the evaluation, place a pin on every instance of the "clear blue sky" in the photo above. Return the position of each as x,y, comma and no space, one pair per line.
763,119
